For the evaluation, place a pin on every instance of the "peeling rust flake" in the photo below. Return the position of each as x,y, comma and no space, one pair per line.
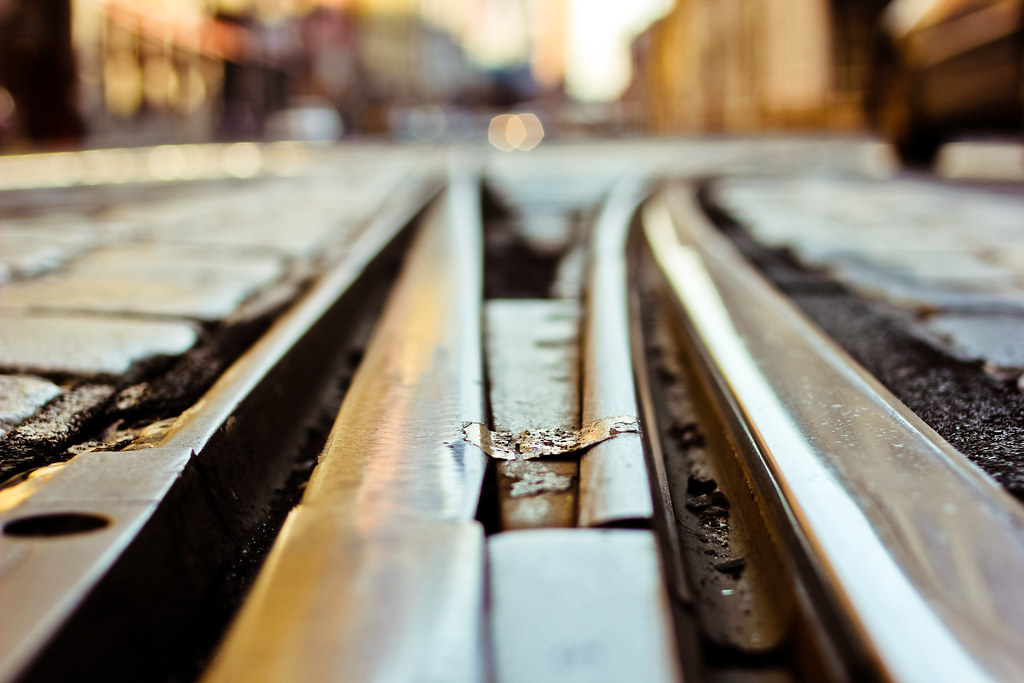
537,443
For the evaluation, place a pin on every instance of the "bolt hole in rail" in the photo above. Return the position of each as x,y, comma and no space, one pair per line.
723,520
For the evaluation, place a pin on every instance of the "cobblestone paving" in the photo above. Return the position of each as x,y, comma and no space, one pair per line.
97,288
952,256
21,396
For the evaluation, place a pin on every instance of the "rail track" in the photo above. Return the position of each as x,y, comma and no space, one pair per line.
621,457
894,553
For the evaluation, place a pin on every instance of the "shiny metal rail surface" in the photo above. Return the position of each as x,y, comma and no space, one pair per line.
202,484
916,554
614,485
378,573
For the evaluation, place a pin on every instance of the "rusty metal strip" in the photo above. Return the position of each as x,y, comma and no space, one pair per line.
538,443
533,381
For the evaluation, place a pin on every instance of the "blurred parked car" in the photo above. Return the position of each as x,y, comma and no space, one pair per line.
941,67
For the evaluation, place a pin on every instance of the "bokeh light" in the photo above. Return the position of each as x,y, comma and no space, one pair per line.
515,132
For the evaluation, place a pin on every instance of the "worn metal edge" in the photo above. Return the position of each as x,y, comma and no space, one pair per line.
615,488
844,655
214,487
893,627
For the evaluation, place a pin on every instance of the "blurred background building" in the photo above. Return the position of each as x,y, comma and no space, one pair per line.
746,65
135,72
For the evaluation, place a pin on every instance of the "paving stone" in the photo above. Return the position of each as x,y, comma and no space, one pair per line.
21,396
173,280
877,281
301,234
977,159
924,274
1009,255
894,209
994,338
180,261
906,241
294,218
35,442
86,344
956,253
27,251
944,266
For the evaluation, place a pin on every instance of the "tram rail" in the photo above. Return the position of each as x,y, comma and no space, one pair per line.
127,543
904,555
865,547
383,571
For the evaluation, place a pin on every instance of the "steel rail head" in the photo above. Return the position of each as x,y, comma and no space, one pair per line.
917,553
420,381
379,572
614,483
206,483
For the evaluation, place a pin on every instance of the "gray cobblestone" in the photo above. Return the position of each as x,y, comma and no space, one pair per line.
877,281
1008,255
81,344
992,337
954,251
179,280
965,270
935,233
100,280
293,218
21,396
25,251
